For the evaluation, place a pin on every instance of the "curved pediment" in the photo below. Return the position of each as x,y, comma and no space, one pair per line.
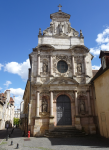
79,49
63,81
45,46
59,14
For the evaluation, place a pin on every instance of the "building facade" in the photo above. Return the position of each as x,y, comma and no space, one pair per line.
7,111
59,79
17,113
100,85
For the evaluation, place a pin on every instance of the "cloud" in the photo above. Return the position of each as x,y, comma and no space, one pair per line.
103,37
18,100
96,67
95,51
1,66
18,91
18,68
102,42
1,88
7,83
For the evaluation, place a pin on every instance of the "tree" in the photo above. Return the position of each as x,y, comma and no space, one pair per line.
16,121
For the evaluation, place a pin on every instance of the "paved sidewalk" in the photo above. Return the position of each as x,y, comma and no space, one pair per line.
42,143
4,133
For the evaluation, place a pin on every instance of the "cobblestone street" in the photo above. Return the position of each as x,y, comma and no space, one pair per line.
42,143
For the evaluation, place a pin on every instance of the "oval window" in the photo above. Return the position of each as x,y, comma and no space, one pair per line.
62,66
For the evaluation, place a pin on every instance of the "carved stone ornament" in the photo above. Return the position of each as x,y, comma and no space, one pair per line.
44,72
71,94
79,59
45,56
44,93
82,107
44,105
44,79
62,82
82,94
64,58
45,67
79,68
61,27
79,51
55,94
80,80
44,114
33,91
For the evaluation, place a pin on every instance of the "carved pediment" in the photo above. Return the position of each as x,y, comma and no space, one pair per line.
63,81
45,47
60,15
79,49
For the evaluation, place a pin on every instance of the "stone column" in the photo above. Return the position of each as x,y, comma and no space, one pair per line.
73,65
85,71
51,104
37,108
76,103
51,66
38,64
89,106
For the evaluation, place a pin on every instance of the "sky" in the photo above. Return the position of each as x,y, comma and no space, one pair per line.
20,21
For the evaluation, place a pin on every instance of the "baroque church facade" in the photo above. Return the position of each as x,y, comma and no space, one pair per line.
59,77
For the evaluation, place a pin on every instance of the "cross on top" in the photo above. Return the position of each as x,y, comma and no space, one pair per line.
59,7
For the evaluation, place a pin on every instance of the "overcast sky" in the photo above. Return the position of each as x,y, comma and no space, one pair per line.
20,21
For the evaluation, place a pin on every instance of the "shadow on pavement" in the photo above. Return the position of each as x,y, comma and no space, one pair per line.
92,141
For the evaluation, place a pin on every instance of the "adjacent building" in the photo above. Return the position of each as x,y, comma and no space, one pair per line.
17,113
58,92
100,86
6,109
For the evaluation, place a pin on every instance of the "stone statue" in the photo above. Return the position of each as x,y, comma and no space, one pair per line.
44,106
45,67
40,31
82,107
81,35
60,29
79,68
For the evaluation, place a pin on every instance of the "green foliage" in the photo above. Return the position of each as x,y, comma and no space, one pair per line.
16,121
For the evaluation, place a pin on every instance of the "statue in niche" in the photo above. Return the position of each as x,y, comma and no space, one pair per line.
44,106
82,108
60,29
45,67
79,68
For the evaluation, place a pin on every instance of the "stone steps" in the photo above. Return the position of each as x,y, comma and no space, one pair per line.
65,132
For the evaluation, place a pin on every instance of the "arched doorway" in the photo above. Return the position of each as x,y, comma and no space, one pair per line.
63,110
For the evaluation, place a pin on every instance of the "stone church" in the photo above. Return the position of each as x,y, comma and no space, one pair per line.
59,89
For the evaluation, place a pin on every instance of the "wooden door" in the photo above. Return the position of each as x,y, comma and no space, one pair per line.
63,110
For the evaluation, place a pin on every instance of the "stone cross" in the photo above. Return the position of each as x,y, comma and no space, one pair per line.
59,7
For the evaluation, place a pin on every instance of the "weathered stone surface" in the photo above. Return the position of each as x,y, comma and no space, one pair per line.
59,43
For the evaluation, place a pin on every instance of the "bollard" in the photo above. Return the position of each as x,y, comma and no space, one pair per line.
6,138
28,134
11,142
17,146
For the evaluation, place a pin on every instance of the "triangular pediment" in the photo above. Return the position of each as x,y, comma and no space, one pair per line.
63,81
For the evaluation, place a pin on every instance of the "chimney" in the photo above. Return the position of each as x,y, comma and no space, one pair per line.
8,95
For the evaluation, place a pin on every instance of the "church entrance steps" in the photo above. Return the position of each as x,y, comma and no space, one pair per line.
65,132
